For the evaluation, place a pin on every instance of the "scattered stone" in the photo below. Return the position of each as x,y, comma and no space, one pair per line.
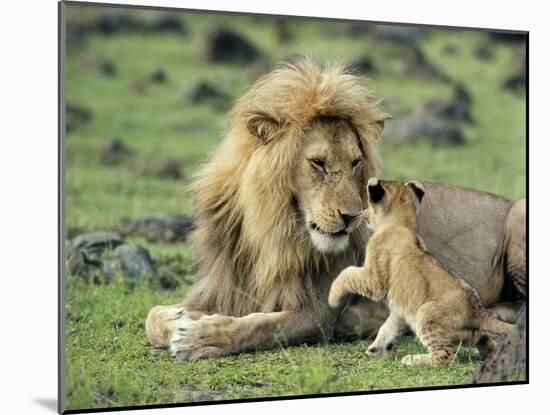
405,35
416,64
113,151
483,50
517,80
110,23
402,35
168,24
84,252
76,115
455,109
508,362
96,242
166,169
449,48
461,93
364,64
158,75
103,255
508,37
160,227
107,68
223,45
422,126
131,261
203,93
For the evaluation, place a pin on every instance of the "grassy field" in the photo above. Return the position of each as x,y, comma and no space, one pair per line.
108,359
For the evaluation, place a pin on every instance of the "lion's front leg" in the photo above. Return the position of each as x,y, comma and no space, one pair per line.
190,335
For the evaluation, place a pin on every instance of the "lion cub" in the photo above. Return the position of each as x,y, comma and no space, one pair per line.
442,309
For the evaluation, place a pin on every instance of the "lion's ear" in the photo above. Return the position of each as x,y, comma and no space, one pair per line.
417,188
370,129
263,127
375,190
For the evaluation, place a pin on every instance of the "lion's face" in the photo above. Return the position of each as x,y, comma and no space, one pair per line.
328,181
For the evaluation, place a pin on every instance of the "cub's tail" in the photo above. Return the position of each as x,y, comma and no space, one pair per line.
494,326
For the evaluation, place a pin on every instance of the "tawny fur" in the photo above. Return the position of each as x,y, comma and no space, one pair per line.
440,307
250,252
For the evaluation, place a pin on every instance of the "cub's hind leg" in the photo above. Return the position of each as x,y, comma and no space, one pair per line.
388,335
440,347
435,335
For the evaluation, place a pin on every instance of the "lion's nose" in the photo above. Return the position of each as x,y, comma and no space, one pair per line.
349,217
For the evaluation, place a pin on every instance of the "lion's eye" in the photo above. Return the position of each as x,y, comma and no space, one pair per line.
355,163
318,164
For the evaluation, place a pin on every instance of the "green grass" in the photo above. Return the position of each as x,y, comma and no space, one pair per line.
108,359
111,364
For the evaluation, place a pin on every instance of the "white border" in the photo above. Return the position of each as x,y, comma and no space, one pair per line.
28,159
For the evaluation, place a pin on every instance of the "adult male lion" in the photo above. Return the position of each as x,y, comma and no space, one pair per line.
278,216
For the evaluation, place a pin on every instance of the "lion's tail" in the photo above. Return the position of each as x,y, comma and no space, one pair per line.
490,324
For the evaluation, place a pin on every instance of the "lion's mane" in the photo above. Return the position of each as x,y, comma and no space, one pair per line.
250,252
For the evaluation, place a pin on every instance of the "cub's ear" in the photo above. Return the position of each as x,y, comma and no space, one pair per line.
417,188
375,190
263,127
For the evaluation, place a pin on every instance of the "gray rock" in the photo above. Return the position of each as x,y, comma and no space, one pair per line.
391,33
507,37
104,255
224,45
455,109
76,115
135,261
114,22
483,50
449,48
417,65
84,252
113,151
107,68
508,362
405,35
96,242
165,169
422,126
160,227
517,80
167,24
205,93
364,64
158,76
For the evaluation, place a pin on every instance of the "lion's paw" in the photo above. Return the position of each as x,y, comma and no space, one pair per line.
202,338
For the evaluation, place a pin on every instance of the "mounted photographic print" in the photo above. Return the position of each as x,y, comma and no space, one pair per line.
270,207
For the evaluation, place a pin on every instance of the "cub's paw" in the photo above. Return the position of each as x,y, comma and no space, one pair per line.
417,360
206,337
379,350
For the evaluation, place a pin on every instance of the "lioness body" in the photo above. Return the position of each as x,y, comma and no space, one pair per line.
276,220
440,308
